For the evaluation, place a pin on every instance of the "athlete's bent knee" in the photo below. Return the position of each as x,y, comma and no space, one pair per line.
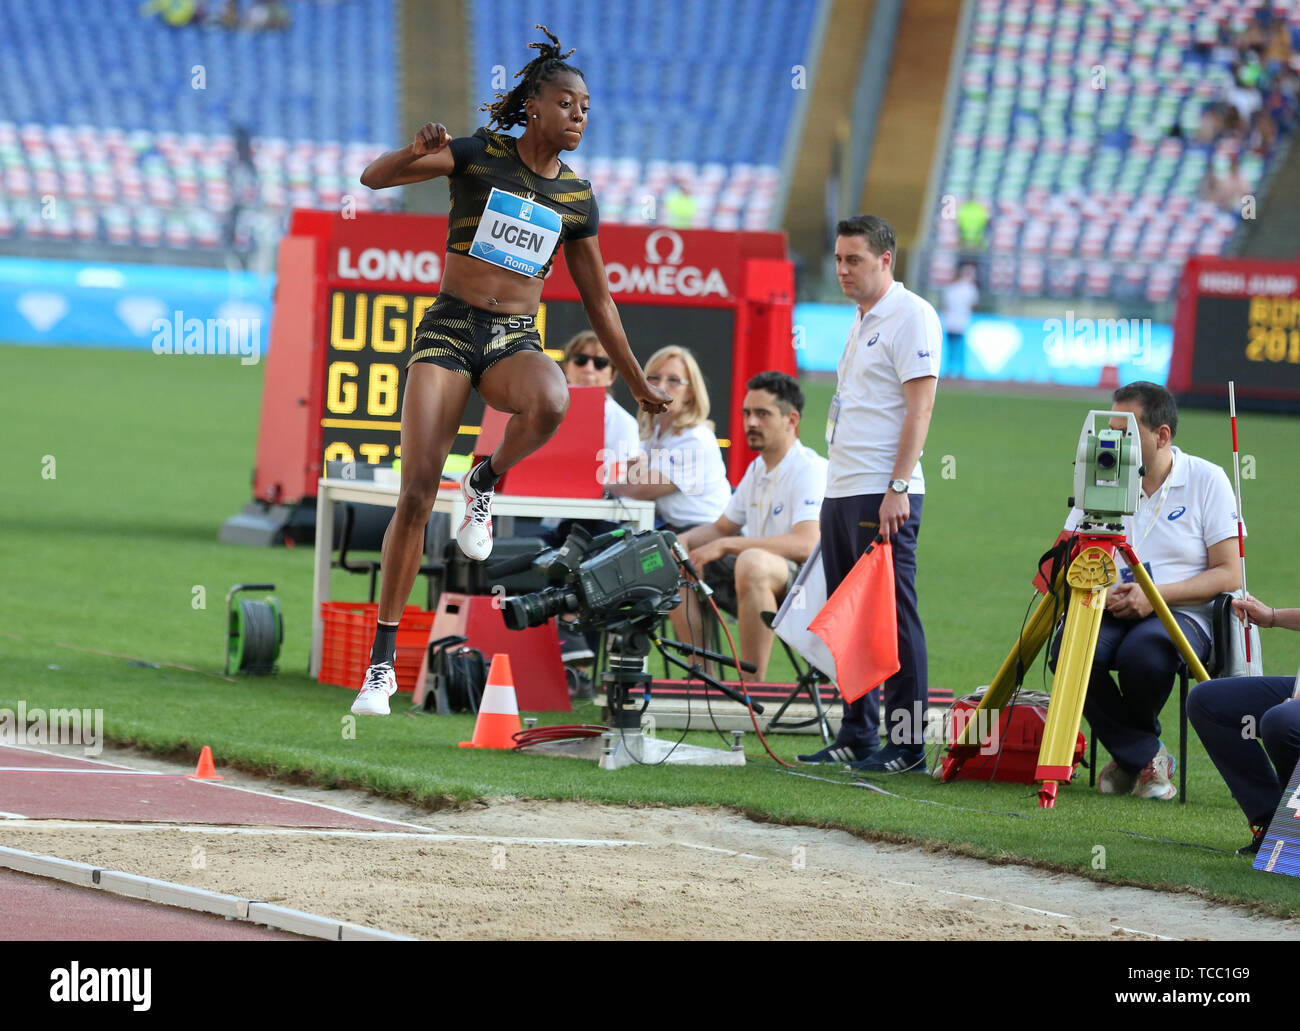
548,409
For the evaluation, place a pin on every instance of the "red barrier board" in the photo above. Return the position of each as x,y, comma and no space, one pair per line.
565,467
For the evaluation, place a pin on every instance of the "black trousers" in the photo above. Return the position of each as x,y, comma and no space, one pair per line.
848,525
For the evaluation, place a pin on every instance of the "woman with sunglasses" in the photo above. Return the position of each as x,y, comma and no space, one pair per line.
682,470
514,203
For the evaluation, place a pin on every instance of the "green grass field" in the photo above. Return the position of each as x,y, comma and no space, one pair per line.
119,468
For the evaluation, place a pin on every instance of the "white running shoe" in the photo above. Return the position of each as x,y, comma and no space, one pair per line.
475,533
1156,780
380,684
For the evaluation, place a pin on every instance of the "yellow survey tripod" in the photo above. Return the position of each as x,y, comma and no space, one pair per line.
1106,480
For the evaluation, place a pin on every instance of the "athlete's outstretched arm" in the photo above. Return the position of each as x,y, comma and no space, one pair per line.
426,157
587,268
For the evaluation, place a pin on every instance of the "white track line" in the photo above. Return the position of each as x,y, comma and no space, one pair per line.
720,851
63,755
1028,909
11,816
232,787
318,805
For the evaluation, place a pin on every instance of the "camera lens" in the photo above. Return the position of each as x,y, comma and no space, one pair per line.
1106,460
530,610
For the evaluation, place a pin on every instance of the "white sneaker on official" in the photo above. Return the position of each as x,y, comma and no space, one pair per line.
1154,780
379,686
475,533
1115,780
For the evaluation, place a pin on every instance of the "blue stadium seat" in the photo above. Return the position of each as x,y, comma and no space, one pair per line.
1059,156
126,81
671,80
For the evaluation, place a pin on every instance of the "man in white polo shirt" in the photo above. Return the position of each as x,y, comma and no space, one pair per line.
751,554
875,433
1185,533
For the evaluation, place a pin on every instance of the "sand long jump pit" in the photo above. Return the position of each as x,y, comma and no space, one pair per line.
517,869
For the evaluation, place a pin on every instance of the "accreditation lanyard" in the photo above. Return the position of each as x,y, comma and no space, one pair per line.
1160,503
846,363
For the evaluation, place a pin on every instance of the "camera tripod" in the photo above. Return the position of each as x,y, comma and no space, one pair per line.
1089,573
627,744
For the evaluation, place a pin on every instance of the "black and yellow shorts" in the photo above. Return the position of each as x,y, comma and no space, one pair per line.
457,336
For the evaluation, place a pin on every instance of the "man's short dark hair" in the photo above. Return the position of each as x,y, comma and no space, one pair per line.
784,387
1158,405
879,234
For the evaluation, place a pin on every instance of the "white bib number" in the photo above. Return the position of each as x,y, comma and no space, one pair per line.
516,234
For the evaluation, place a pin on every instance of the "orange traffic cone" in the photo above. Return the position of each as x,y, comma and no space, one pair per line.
498,713
205,769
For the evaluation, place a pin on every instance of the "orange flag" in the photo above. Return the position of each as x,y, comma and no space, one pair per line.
860,626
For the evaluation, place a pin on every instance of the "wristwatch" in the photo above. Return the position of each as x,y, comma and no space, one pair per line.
898,486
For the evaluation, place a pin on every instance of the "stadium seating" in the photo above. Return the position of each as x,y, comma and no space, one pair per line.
117,128
693,90
1062,129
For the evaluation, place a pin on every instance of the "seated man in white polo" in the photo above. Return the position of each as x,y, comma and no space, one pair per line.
751,554
1185,533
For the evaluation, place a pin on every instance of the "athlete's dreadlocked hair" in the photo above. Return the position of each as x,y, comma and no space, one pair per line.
508,111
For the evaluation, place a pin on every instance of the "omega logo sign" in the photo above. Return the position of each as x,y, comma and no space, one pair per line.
665,275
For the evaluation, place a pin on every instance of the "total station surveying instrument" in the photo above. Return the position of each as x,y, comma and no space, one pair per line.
1107,476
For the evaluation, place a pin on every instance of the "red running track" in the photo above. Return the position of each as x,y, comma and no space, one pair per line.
34,786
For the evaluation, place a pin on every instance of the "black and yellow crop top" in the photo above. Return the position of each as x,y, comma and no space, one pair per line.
488,160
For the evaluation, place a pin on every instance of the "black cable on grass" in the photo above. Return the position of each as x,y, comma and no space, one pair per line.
855,782
1185,844
690,632
508,110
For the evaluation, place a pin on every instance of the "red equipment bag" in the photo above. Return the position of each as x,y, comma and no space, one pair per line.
1010,755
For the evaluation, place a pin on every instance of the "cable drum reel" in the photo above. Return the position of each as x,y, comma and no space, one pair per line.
254,632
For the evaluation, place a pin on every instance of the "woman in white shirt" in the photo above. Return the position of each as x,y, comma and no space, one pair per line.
681,470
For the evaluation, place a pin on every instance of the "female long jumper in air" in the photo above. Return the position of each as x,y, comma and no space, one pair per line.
513,203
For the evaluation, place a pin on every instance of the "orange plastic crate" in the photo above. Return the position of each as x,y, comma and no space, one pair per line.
349,633
412,640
